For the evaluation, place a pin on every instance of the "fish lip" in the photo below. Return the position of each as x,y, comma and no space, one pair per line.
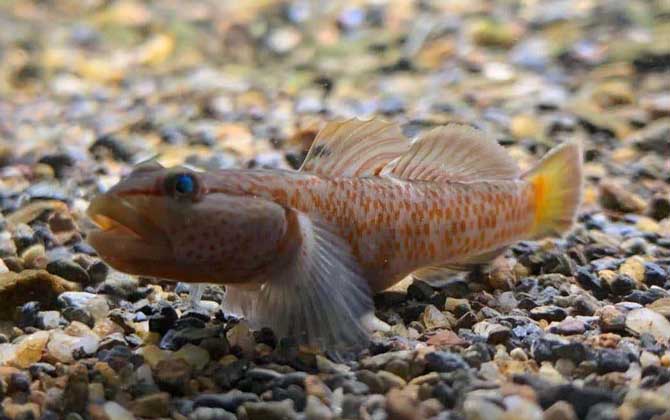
117,218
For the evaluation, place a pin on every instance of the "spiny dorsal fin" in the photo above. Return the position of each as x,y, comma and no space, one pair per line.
354,148
454,153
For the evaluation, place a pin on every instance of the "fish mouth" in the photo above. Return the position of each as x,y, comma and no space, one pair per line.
125,233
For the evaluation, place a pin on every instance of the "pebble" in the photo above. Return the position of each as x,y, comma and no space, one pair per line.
152,406
493,333
173,375
69,270
229,401
195,356
270,410
648,321
26,351
65,348
115,411
433,318
17,289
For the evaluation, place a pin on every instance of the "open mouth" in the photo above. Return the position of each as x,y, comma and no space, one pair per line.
124,232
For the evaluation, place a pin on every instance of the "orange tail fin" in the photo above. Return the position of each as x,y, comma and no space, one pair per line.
557,184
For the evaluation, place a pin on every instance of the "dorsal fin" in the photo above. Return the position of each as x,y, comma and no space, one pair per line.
355,148
454,152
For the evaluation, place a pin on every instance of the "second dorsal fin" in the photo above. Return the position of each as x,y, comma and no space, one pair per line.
454,153
354,148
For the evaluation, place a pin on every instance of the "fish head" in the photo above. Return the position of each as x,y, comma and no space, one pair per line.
183,225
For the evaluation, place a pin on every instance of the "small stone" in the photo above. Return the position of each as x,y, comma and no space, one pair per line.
481,409
34,257
648,321
49,320
519,354
26,351
208,413
655,275
420,290
152,405
30,285
659,207
163,319
115,411
442,361
195,356
662,306
493,333
241,336
229,401
66,347
649,359
634,268
69,270
402,405
433,318
270,410
97,272
75,394
548,312
611,319
569,326
173,375
617,198
609,360
317,410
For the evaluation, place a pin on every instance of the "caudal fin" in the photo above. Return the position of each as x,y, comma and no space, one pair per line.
557,184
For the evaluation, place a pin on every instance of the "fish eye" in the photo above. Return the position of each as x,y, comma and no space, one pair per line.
182,185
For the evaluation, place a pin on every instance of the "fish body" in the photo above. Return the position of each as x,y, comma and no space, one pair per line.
395,226
303,251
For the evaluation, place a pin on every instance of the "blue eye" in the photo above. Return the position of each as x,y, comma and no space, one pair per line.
182,185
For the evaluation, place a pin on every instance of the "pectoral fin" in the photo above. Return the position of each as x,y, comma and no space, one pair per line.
318,297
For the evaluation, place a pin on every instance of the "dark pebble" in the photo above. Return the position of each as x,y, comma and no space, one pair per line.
18,382
548,312
622,285
97,272
59,162
163,319
581,398
456,288
111,145
548,349
69,270
217,347
29,314
609,360
420,290
655,275
647,296
37,369
442,361
78,314
445,394
590,281
229,401
227,376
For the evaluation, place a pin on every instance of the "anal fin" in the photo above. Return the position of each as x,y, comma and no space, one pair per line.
472,263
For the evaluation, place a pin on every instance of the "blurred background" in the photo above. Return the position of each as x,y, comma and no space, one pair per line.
248,83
